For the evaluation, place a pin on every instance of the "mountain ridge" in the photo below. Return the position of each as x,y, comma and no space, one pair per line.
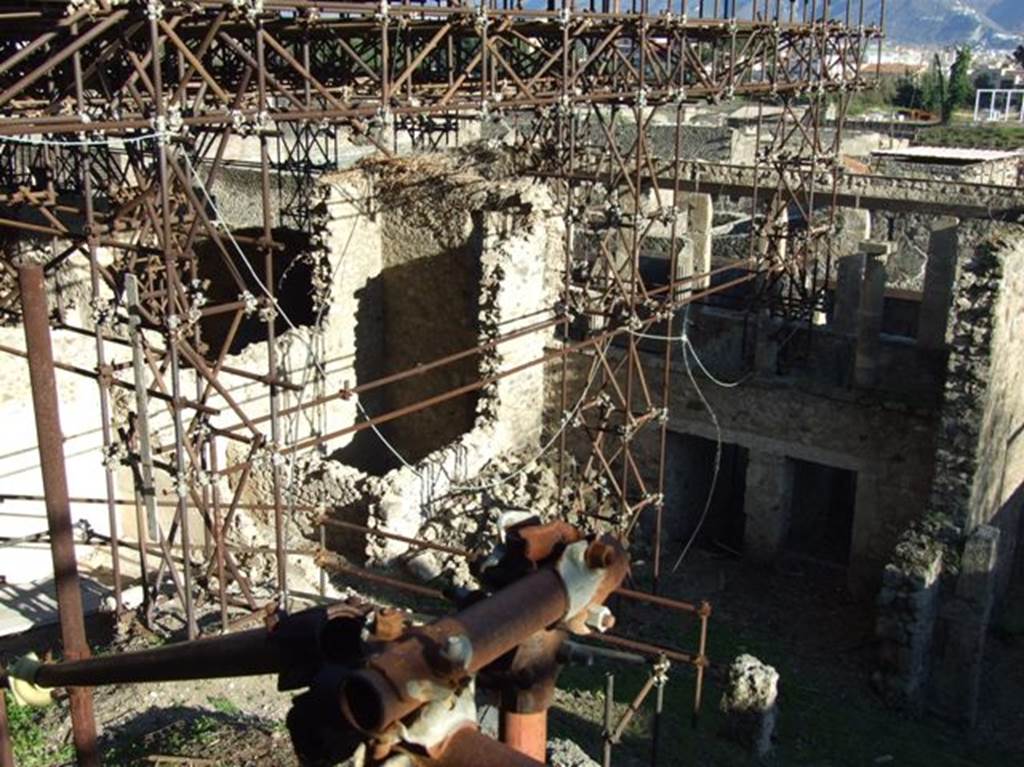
991,23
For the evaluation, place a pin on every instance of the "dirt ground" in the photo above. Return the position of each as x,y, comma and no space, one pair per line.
796,618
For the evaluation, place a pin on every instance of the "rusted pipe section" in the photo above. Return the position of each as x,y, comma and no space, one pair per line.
36,321
247,653
400,678
525,733
285,644
447,651
524,681
469,748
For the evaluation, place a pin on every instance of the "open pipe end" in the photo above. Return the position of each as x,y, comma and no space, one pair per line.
368,702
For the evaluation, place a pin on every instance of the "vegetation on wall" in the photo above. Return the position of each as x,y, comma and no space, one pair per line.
982,136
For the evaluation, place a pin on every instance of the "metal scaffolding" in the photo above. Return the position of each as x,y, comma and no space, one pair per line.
115,119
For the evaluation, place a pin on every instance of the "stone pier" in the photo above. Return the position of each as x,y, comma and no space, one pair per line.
769,494
870,312
939,276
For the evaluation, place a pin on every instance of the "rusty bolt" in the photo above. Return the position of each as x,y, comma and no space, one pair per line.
458,651
599,555
388,624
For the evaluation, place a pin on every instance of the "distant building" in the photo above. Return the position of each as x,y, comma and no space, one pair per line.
986,166
896,70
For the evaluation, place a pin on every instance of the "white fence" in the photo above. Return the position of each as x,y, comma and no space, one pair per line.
999,105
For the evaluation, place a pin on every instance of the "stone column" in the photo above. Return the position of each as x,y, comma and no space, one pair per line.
963,624
684,268
939,276
700,212
769,495
849,280
869,314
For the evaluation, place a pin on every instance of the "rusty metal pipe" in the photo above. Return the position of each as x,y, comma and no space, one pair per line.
387,691
247,653
35,317
526,733
470,748
393,684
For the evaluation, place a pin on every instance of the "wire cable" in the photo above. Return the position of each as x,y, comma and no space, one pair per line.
718,459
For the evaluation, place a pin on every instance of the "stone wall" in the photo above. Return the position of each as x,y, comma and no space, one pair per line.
970,360
908,604
997,493
974,509
446,221
1003,172
888,442
910,234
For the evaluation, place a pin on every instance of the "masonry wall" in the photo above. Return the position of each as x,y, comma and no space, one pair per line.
1004,172
997,492
973,515
461,260
888,443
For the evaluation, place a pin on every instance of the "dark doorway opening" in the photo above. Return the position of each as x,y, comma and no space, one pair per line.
821,517
689,469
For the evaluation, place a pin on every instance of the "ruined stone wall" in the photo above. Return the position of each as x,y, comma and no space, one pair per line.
889,443
910,233
1000,172
425,304
460,260
978,469
908,605
997,493
974,507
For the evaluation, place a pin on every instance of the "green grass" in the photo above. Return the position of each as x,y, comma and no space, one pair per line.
185,737
224,706
29,738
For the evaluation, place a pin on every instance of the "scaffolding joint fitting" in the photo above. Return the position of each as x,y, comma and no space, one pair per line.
659,671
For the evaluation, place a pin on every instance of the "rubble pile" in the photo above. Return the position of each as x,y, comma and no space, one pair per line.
470,517
565,753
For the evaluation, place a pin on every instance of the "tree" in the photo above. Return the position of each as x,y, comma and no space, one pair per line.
1018,56
908,93
985,81
933,87
959,90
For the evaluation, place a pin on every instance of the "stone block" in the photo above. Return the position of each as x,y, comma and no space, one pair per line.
749,704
